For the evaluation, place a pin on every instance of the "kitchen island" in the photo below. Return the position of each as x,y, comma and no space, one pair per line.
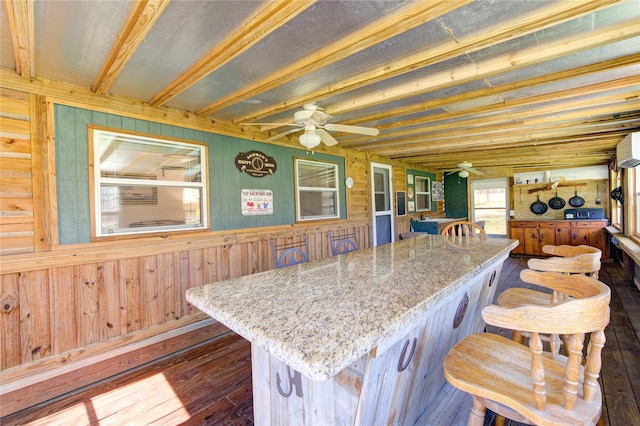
357,338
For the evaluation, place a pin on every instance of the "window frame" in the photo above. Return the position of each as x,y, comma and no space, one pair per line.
96,181
427,193
299,188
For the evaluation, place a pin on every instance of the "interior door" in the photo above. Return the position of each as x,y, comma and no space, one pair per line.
490,202
382,204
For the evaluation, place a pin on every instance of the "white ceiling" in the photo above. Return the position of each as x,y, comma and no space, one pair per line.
526,84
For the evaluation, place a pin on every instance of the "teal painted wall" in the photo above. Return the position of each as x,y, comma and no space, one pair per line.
455,196
225,181
431,176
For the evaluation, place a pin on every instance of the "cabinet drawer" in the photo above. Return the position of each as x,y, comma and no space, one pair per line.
523,224
554,224
588,224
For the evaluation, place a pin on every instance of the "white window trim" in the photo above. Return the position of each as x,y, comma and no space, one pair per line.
97,181
428,192
299,188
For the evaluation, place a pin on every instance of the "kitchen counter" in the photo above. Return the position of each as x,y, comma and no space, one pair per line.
327,319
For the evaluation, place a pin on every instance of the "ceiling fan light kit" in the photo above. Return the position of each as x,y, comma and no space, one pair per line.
463,174
309,139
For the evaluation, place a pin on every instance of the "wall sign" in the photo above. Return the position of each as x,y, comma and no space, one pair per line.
256,202
255,163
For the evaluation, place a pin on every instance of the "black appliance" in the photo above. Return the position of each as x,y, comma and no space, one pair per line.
584,213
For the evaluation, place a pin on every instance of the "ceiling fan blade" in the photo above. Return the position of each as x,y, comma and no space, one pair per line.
272,138
369,131
451,170
319,118
326,137
474,171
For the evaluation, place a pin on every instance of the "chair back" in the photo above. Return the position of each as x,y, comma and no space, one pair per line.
585,311
586,263
342,242
565,250
290,252
464,234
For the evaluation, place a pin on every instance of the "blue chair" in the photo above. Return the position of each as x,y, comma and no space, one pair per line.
289,253
343,243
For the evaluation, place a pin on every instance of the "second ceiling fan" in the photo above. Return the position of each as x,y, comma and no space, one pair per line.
464,168
315,126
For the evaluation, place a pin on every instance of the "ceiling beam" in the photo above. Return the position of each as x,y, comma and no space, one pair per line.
562,110
416,13
143,15
21,26
260,25
490,67
553,14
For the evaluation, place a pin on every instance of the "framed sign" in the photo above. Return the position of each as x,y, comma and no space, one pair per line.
257,202
401,203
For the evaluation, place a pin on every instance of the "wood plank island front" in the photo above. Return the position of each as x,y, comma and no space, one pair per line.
357,339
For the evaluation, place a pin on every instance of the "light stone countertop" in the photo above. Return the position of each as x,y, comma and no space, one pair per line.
320,317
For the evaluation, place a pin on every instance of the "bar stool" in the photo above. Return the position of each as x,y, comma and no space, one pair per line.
585,263
523,383
343,242
289,253
464,234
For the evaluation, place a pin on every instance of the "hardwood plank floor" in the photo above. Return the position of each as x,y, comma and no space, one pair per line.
210,383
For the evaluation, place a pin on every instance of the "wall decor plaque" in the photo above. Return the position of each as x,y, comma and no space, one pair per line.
255,163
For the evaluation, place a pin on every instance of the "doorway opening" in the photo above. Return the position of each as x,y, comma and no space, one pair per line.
490,203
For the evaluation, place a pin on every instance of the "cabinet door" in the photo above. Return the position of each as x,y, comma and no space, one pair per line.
554,233
518,234
525,231
579,236
532,241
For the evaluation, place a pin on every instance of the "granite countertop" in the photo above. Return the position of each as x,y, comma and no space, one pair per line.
321,316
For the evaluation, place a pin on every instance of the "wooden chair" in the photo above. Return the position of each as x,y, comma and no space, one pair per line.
464,235
289,253
343,243
586,262
524,383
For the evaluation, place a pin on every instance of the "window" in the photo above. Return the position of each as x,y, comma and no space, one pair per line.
423,193
143,184
317,190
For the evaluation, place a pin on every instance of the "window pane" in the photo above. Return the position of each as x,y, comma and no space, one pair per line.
145,184
422,202
318,204
317,186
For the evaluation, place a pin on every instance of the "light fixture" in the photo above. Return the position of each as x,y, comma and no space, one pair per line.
310,139
463,174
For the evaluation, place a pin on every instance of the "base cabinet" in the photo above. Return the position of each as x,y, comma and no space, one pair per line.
533,235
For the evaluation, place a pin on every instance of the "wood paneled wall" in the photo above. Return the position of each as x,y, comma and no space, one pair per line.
16,189
62,304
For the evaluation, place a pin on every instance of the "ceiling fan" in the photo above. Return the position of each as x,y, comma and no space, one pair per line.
464,168
316,129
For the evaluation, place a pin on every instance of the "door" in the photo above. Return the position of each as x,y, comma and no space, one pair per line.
382,204
490,203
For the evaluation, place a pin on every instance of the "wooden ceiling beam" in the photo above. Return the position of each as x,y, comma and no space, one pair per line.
553,14
21,27
531,137
141,19
416,13
272,16
564,110
490,67
583,71
495,135
630,83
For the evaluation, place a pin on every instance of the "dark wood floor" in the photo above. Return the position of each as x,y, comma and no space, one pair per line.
211,383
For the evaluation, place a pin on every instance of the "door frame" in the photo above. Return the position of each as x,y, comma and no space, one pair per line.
389,191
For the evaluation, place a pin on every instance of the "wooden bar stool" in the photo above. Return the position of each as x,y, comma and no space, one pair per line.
585,262
464,234
523,383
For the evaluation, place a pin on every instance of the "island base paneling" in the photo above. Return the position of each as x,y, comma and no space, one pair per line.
393,384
